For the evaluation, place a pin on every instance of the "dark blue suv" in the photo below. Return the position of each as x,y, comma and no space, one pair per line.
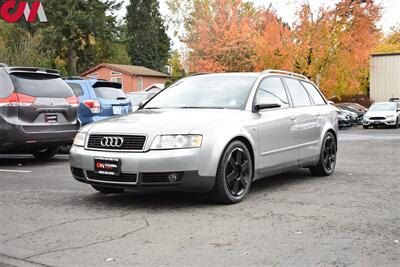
98,99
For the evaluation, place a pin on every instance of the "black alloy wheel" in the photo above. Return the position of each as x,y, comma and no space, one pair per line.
327,161
234,174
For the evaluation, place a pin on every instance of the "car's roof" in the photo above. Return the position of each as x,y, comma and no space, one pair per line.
251,74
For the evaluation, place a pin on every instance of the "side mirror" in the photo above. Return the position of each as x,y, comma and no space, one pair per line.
258,107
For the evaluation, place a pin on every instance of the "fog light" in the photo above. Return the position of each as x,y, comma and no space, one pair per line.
173,177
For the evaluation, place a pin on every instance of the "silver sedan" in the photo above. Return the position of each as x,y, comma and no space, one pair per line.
212,133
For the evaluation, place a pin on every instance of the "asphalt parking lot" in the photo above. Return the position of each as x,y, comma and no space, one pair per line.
349,219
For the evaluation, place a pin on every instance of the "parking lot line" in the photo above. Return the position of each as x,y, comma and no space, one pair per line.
17,171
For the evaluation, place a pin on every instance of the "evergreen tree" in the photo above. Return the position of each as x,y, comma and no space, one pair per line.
147,41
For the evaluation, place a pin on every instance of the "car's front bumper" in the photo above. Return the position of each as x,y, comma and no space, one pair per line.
149,170
385,122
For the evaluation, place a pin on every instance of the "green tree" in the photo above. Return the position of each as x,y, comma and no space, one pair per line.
147,41
76,27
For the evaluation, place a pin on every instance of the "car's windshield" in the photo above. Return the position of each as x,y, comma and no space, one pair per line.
383,107
137,98
230,92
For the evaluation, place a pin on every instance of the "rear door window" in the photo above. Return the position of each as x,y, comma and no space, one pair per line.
77,88
299,94
109,92
314,93
40,85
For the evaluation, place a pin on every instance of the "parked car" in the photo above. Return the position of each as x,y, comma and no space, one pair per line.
354,107
382,114
98,99
137,98
213,133
394,99
344,118
38,111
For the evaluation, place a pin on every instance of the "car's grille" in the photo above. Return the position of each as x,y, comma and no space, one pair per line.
159,177
77,172
377,118
128,178
130,142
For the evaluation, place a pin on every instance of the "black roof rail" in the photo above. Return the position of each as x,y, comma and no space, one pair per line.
73,78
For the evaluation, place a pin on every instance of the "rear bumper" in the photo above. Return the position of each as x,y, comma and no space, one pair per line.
19,138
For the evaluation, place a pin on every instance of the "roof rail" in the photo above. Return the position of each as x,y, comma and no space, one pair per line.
287,73
73,78
199,73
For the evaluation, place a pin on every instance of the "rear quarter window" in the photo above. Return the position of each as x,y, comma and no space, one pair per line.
40,85
6,86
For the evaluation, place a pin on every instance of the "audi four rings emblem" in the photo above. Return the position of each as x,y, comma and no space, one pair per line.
109,141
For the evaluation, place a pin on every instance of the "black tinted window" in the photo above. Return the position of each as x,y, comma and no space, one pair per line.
6,86
77,88
299,95
40,85
108,92
314,93
271,91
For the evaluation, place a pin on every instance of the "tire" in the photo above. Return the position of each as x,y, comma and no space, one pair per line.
234,174
365,126
46,153
396,126
107,190
327,159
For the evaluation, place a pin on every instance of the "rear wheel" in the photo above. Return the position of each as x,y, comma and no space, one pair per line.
107,190
234,174
46,153
327,160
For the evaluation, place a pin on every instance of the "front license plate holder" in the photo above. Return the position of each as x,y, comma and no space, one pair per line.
107,166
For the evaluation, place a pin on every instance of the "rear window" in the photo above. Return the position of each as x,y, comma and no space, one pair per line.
109,92
40,85
77,88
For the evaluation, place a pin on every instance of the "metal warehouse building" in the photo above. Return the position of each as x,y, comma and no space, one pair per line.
385,76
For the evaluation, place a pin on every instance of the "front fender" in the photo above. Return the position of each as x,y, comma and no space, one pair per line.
216,140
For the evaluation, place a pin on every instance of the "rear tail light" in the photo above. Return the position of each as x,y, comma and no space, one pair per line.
17,100
72,100
93,105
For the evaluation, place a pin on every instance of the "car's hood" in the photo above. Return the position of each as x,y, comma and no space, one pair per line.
380,113
168,121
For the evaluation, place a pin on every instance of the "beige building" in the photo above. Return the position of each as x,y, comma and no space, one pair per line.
385,76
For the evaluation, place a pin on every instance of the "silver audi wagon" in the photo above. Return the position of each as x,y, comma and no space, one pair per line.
211,133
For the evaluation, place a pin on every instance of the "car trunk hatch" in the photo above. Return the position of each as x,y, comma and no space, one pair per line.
112,97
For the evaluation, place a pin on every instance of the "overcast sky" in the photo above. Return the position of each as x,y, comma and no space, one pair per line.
287,8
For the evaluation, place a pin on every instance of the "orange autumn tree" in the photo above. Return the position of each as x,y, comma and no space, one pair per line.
333,46
273,43
220,36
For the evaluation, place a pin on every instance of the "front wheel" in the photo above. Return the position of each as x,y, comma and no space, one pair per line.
396,126
234,174
46,153
327,158
365,126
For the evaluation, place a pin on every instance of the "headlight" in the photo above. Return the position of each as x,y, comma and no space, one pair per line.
80,139
390,116
366,117
176,141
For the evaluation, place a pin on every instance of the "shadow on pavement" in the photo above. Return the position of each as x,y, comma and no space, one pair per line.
172,200
17,160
